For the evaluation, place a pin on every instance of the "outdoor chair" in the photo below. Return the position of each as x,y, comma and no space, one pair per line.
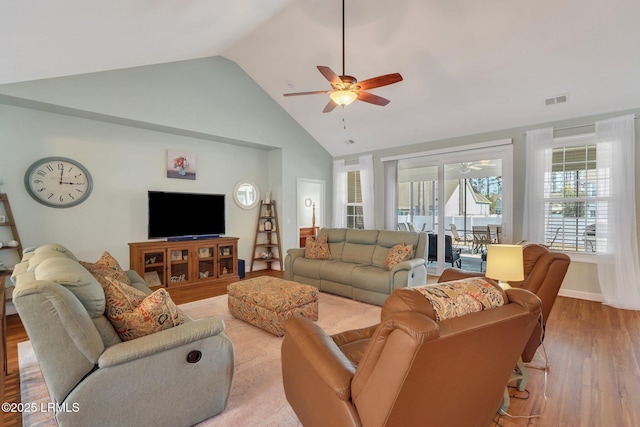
481,238
495,233
457,238
451,254
590,238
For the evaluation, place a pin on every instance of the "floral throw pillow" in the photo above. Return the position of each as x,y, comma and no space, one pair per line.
397,254
317,249
106,267
121,297
133,315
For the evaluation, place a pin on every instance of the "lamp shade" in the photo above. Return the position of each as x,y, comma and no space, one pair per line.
343,97
505,263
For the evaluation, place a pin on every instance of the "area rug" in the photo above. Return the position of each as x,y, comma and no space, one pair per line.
257,396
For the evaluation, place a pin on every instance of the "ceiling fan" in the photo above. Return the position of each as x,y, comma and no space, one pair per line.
347,89
466,167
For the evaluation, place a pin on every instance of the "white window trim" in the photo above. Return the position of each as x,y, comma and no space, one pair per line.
575,141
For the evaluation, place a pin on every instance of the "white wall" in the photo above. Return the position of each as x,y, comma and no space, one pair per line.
120,123
125,162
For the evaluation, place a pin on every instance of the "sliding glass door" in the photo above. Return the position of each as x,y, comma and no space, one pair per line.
462,198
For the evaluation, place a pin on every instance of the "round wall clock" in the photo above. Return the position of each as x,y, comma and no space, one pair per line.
58,182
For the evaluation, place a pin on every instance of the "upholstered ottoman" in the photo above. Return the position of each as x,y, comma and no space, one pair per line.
266,302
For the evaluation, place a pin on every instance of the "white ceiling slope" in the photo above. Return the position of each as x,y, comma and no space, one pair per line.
468,66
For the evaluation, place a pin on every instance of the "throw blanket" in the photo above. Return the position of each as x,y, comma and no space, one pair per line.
460,297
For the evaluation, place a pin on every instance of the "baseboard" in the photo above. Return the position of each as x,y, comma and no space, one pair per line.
589,296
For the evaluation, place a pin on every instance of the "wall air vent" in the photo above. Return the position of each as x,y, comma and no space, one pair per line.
560,99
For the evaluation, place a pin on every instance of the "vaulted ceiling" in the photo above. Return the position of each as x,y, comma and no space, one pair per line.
468,66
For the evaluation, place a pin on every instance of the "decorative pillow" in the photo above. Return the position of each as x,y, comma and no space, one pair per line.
460,297
120,296
106,267
397,254
317,248
134,314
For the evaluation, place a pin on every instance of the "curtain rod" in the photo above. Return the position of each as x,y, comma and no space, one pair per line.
635,116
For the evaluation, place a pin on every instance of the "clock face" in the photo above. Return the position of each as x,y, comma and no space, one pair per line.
58,182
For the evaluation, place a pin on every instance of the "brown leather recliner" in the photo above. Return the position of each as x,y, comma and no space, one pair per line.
408,370
544,272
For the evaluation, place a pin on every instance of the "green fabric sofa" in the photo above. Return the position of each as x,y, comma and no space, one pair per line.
94,378
356,269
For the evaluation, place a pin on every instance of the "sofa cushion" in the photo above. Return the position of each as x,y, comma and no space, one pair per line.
106,331
76,278
460,297
336,238
372,278
359,246
308,267
397,254
317,248
106,267
55,247
337,271
37,258
154,313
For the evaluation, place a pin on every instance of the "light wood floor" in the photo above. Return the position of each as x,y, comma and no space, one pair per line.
593,377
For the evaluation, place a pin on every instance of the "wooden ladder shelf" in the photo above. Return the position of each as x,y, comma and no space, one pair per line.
266,247
11,223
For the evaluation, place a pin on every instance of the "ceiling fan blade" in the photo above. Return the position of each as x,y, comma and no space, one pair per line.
330,106
379,81
330,75
372,99
307,93
475,168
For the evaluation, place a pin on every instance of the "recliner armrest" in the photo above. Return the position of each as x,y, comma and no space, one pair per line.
296,252
409,264
161,341
450,274
305,340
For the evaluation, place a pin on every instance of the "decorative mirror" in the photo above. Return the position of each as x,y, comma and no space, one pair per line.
246,194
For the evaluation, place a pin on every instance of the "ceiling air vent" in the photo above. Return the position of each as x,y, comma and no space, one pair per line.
560,99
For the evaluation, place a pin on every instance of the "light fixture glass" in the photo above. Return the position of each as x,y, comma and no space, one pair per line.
505,263
343,97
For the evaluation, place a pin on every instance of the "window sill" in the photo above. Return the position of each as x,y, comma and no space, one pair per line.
585,258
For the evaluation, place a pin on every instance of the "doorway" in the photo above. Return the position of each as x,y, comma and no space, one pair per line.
310,205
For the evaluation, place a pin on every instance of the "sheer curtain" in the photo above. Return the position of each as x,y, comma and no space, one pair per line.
539,150
366,185
339,194
390,194
617,254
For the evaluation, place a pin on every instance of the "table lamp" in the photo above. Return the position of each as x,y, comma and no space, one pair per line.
504,263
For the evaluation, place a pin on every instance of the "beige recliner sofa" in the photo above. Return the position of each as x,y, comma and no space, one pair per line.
175,377
356,269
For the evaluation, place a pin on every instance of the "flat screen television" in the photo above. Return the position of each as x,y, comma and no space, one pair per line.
177,216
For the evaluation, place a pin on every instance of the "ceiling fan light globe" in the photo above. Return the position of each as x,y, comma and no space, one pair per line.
343,97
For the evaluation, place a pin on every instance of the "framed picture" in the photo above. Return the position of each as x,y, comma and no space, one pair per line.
181,165
152,278
3,219
204,253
